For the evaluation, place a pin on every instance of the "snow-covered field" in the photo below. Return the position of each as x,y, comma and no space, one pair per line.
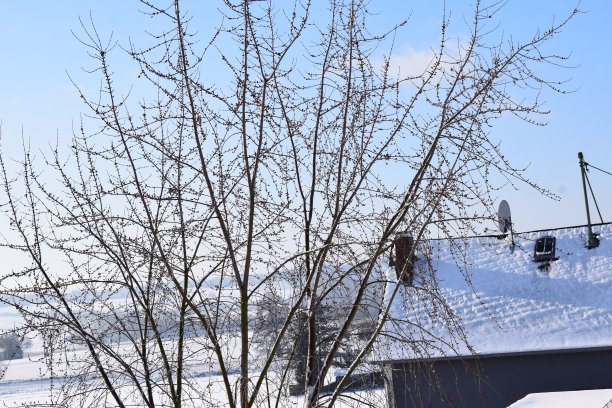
28,382
504,302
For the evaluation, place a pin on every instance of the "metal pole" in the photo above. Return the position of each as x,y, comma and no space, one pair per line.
593,242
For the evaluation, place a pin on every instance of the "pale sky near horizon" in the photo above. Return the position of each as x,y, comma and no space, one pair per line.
38,51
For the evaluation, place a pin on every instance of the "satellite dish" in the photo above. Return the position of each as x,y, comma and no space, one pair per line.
503,217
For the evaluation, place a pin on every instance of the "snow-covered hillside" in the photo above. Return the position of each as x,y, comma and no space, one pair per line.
503,301
500,299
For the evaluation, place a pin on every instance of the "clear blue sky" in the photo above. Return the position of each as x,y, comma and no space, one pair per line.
38,50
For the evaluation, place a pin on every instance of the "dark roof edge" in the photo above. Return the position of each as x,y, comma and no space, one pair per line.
495,355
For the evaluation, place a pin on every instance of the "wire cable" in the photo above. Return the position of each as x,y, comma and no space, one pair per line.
593,195
597,168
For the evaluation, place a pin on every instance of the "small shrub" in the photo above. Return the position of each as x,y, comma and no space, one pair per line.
11,346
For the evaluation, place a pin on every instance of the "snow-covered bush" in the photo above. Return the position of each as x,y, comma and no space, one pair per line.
11,347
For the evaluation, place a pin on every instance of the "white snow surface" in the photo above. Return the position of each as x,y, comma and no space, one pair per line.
567,399
502,300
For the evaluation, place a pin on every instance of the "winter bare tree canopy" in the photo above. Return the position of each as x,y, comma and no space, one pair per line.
224,240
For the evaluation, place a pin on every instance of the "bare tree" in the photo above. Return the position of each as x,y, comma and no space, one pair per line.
168,223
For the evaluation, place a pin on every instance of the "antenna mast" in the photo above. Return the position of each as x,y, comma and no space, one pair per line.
593,242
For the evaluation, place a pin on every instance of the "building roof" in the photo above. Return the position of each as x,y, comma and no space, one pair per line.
484,298
567,399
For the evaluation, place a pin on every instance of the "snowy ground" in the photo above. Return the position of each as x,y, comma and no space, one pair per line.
39,390
505,303
28,382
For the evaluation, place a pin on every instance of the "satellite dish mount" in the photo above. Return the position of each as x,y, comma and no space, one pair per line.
504,219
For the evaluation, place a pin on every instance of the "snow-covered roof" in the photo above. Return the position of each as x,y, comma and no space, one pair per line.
567,399
502,300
